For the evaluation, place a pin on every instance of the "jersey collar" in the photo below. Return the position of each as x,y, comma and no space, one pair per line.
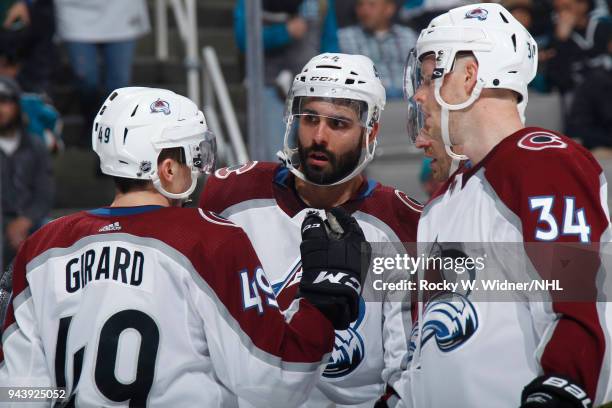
290,202
117,211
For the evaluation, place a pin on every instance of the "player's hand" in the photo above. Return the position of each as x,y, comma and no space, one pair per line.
335,259
297,27
553,391
566,21
17,231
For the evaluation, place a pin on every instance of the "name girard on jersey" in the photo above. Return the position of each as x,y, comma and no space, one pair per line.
106,263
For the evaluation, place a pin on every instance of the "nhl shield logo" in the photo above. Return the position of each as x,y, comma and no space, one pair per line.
160,106
478,13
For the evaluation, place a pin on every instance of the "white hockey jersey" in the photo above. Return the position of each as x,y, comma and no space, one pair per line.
260,197
534,186
161,307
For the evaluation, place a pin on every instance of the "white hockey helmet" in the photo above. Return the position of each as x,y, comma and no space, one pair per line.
136,123
335,76
507,55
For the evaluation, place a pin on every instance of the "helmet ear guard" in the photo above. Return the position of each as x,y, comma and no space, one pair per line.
334,77
135,124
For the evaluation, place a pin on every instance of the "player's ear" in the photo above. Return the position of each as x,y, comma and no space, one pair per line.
470,75
166,169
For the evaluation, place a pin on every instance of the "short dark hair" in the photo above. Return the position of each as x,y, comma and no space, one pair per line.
126,185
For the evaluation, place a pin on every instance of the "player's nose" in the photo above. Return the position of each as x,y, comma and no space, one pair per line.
422,142
321,133
419,96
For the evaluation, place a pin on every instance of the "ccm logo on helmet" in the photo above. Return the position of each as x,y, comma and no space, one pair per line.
323,79
479,13
541,141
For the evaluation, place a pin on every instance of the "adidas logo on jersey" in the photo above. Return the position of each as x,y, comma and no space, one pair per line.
111,227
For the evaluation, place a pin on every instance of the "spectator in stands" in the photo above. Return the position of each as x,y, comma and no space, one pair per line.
345,13
40,118
535,17
580,42
590,118
417,13
290,40
26,187
100,28
26,39
376,36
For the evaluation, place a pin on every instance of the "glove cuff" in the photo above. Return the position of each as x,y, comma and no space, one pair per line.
554,391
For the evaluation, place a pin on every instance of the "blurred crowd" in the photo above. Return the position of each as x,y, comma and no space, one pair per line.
574,39
98,38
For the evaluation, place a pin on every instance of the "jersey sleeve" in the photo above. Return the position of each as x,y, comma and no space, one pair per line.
22,357
213,198
396,334
235,184
562,200
261,355
396,308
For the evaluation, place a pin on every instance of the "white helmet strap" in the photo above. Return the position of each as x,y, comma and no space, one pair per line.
446,107
175,196
454,166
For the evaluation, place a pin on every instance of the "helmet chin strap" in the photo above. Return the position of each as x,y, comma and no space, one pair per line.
444,117
175,196
454,166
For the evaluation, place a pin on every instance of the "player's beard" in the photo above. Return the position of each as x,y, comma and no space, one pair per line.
339,166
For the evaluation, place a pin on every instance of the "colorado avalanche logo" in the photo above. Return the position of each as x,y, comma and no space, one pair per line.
478,13
160,106
450,319
541,141
349,350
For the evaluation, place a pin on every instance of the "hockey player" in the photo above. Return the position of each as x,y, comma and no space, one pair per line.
472,67
141,304
332,122
442,165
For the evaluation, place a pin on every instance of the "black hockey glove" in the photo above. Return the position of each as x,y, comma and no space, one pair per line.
332,273
553,391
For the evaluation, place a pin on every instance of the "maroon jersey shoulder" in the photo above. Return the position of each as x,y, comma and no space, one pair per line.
532,156
232,185
180,228
396,209
535,165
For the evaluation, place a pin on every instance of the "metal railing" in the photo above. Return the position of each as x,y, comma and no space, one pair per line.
186,21
214,85
214,88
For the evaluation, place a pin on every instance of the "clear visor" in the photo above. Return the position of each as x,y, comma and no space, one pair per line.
412,82
203,154
336,111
